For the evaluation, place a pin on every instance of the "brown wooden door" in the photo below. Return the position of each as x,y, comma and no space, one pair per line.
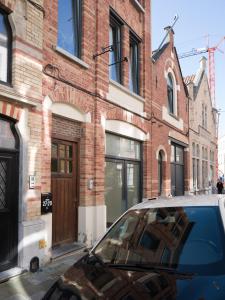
64,192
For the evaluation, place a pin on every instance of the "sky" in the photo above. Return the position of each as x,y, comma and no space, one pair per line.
197,20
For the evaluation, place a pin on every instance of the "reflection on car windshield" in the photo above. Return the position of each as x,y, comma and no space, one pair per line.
189,239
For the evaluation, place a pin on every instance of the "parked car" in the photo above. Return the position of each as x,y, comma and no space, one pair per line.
163,249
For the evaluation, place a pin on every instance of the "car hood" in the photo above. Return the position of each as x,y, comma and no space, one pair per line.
94,281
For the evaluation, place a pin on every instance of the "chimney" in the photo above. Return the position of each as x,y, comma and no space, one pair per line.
170,35
203,63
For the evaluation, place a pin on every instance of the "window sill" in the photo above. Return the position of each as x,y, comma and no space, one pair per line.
173,116
138,6
8,92
71,57
126,90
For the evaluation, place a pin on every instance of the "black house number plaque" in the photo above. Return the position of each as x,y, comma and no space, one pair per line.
46,203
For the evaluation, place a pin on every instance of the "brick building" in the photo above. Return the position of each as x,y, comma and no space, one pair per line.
203,132
96,100
170,125
20,131
78,121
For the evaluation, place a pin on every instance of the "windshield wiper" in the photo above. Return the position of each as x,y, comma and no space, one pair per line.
147,268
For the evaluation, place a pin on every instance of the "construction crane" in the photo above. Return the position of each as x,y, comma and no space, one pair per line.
211,60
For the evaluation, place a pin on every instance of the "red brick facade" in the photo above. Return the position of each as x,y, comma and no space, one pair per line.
56,95
168,128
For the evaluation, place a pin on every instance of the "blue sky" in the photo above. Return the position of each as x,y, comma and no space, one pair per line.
197,19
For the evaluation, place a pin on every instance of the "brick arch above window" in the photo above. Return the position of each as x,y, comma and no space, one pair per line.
10,110
161,149
125,129
119,114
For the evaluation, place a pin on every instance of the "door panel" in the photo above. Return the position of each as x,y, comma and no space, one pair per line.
133,183
114,181
8,210
179,180
173,179
122,187
64,192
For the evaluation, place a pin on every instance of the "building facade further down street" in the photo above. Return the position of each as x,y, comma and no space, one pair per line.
221,157
170,126
203,132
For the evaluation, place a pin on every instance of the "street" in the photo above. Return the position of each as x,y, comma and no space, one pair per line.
34,285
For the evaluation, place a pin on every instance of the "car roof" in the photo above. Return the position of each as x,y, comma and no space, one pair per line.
180,201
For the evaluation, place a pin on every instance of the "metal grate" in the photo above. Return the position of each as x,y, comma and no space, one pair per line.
3,169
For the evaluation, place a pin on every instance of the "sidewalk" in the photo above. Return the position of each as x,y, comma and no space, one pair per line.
34,285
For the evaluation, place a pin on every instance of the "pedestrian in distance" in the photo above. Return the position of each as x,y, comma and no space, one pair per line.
219,187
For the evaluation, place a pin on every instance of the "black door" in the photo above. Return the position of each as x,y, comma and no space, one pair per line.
8,209
177,170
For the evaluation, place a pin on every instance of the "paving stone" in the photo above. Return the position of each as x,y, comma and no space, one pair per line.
32,286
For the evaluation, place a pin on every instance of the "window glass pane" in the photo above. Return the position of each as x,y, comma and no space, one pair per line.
54,150
179,155
54,166
69,168
114,56
122,147
69,27
62,152
198,151
69,151
113,191
62,166
3,49
172,153
133,67
170,93
7,139
193,149
133,184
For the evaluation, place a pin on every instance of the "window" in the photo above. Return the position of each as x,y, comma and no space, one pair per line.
69,26
195,166
170,94
62,158
134,65
8,136
160,173
205,176
205,116
115,54
5,48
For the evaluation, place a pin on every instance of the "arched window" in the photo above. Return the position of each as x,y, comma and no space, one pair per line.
193,149
160,173
170,94
5,48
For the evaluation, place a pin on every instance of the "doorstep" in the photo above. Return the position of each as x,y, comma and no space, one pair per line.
67,249
6,275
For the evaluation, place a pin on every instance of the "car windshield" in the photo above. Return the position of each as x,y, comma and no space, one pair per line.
189,239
